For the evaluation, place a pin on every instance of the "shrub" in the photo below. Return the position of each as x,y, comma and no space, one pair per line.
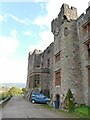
69,101
3,95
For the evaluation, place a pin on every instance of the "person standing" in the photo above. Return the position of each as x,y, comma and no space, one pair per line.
57,100
54,100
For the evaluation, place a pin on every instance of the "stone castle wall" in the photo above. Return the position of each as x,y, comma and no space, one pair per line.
70,38
84,36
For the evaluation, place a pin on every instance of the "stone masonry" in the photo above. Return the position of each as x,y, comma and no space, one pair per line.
65,63
40,70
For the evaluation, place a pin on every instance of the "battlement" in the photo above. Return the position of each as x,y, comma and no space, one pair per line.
36,51
66,13
69,12
84,18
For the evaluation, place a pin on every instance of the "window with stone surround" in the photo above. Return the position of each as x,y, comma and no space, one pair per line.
89,27
87,44
31,83
37,80
58,78
86,28
57,57
48,62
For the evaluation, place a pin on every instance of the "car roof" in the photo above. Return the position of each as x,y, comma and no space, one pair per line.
37,93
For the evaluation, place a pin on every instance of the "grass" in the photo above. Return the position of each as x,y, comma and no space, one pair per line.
80,111
83,111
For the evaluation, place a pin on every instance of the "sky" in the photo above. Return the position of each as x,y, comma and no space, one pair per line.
25,26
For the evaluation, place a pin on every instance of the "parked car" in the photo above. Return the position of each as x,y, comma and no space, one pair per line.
39,98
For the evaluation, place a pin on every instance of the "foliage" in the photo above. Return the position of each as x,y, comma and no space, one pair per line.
11,92
15,91
69,101
23,90
3,95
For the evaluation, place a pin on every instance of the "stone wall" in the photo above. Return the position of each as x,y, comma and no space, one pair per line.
71,77
40,63
47,76
84,36
69,39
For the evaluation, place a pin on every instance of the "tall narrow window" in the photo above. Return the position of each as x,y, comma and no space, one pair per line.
37,80
88,27
48,62
57,78
57,57
89,77
88,47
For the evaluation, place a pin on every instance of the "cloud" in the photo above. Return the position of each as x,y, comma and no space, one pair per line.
38,46
8,66
51,13
1,17
11,69
28,33
41,21
25,21
46,37
8,45
44,22
13,33
45,40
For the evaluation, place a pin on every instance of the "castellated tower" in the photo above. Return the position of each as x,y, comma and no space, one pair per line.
67,65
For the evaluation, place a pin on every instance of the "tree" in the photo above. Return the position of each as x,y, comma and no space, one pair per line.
15,91
23,90
69,101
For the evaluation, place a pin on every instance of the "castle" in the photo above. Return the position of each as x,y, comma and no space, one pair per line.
65,63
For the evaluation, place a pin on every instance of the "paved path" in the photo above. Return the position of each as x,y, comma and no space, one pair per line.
18,107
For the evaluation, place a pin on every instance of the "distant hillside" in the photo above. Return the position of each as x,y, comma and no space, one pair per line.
20,85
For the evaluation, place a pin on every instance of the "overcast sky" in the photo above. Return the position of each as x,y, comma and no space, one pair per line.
25,26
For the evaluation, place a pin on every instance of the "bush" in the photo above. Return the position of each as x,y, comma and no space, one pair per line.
15,91
23,90
3,95
69,101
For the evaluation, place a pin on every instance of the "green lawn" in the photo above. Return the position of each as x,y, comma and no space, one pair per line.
80,111
83,111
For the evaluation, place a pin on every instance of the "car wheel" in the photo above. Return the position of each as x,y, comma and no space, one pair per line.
33,101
